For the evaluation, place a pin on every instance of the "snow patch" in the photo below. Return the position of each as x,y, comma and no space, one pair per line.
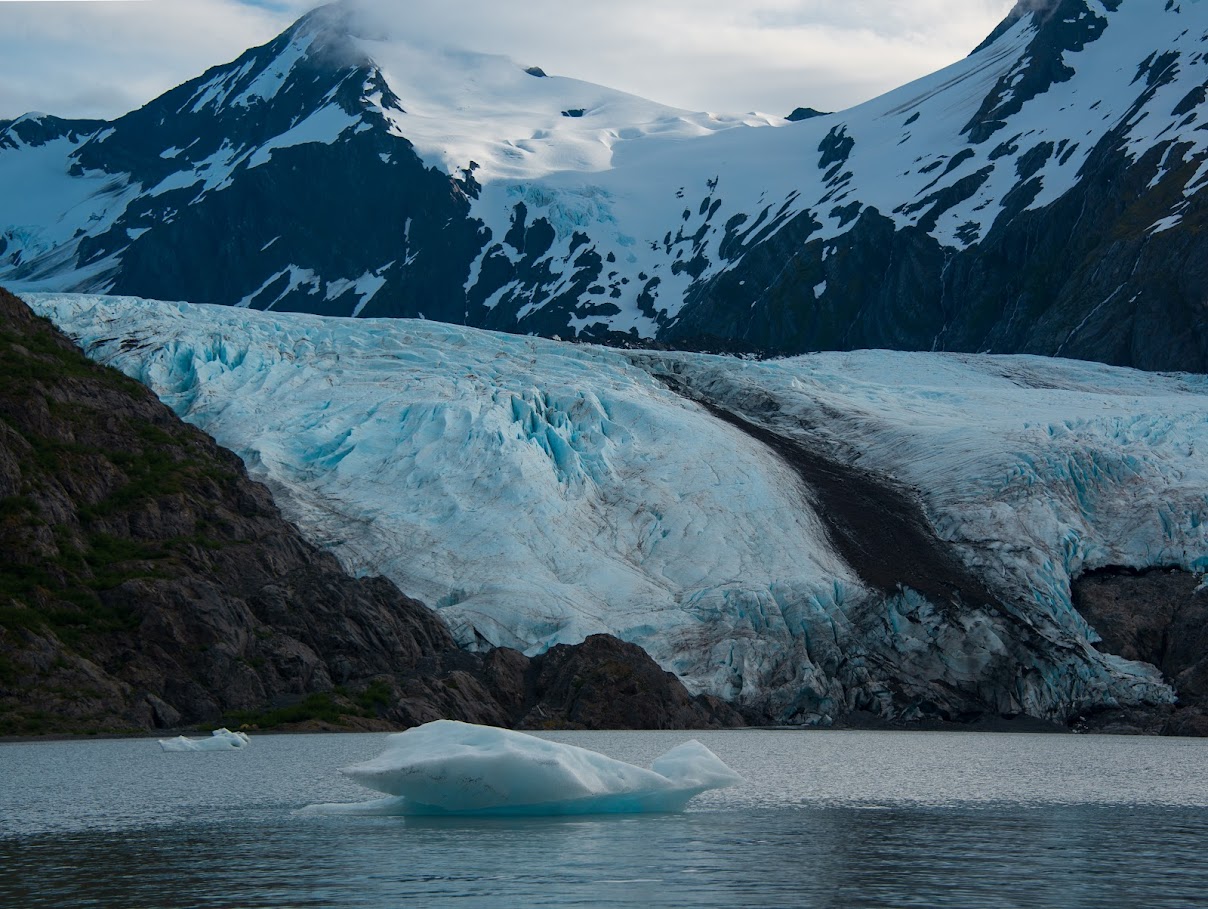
325,126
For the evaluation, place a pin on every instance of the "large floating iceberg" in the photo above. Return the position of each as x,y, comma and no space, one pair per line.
450,768
219,740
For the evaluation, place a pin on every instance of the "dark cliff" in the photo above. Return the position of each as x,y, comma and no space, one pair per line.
146,582
1159,617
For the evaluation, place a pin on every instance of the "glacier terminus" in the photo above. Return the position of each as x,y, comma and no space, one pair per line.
535,492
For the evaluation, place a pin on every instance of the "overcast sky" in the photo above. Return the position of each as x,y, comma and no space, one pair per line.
101,58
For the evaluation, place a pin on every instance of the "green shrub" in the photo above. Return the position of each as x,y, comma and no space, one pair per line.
376,697
321,706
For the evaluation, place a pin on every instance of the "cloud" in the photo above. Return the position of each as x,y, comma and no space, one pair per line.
101,59
94,59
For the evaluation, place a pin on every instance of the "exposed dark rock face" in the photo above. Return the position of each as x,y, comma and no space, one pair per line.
279,234
805,113
878,528
36,131
1082,278
147,583
409,224
605,683
1158,617
1062,25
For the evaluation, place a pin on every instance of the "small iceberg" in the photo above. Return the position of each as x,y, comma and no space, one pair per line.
219,740
459,769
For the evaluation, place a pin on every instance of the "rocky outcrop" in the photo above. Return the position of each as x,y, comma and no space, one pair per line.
805,113
1158,617
605,683
147,583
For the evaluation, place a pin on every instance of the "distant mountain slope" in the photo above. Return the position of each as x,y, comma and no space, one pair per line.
146,582
880,532
1041,196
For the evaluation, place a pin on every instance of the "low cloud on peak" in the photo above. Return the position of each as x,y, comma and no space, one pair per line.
103,59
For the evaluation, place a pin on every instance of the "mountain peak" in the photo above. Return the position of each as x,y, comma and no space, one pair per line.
1060,27
1042,12
36,128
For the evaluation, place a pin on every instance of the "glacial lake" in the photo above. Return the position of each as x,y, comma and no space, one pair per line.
827,819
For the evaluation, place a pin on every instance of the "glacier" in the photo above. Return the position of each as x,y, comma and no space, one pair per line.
535,492
460,769
219,740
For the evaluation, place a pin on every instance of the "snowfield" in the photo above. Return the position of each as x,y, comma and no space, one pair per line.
536,492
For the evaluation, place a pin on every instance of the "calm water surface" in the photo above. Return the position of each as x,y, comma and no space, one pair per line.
832,819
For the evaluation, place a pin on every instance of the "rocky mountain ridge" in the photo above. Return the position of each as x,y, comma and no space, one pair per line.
1042,196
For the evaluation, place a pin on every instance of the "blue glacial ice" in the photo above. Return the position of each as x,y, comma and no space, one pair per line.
219,740
459,769
535,493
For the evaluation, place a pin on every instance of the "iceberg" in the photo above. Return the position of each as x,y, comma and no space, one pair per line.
219,740
460,769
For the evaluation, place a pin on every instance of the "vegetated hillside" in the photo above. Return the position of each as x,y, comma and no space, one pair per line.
146,582
1045,195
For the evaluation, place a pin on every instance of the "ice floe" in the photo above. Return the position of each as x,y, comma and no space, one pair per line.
451,768
219,740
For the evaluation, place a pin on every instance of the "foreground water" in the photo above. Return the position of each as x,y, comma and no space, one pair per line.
825,819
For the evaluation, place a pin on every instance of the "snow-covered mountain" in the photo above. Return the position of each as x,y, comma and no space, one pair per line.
892,532
297,177
1041,196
